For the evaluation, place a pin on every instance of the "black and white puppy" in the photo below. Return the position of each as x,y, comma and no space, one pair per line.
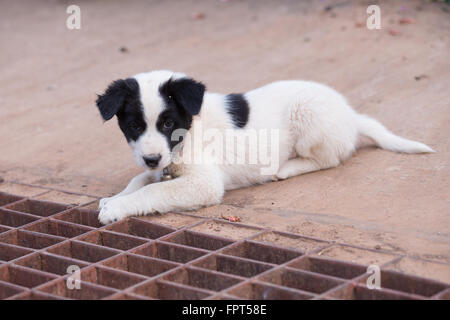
211,142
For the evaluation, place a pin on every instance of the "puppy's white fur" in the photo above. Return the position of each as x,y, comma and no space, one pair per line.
317,130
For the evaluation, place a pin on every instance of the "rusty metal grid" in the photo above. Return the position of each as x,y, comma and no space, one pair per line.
139,259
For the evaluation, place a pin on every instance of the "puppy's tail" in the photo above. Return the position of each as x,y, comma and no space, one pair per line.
387,140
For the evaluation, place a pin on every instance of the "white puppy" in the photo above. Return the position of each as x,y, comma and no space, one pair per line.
211,142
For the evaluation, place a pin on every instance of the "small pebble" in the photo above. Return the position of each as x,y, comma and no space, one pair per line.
123,49
420,77
405,21
394,32
199,16
378,247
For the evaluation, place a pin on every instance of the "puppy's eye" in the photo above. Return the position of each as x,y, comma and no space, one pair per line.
135,127
168,124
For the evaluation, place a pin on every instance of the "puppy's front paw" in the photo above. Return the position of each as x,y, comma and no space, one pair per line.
112,211
104,201
282,175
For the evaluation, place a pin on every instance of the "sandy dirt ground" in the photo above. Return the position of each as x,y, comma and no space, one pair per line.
52,134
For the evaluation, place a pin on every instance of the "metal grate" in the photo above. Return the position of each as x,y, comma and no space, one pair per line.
177,256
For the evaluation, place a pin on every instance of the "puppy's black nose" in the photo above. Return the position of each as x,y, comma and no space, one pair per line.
152,160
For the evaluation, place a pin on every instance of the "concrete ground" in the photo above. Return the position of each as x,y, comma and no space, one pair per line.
52,135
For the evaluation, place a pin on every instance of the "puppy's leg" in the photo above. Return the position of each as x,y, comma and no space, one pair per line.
135,184
316,158
193,190
297,166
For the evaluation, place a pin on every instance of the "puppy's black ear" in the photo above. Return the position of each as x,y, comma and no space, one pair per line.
116,96
187,92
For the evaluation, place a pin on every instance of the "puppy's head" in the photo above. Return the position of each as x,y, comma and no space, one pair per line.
149,108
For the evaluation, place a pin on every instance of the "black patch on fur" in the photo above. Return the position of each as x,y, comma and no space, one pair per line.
186,92
183,98
237,107
122,98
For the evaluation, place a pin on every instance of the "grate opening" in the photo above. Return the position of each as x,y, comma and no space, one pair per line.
8,290
4,229
232,265
265,291
80,216
301,280
49,263
23,277
57,228
329,267
141,229
198,240
11,252
170,252
110,278
202,279
262,252
409,284
29,239
6,198
445,295
112,240
145,266
82,251
87,291
32,295
360,292
168,291
15,219
38,208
